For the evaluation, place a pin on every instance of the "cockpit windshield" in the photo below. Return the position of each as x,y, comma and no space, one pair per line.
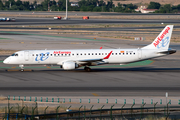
15,54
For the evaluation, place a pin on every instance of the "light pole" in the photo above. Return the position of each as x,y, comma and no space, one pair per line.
66,10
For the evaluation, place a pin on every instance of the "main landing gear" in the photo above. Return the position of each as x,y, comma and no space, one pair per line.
87,69
22,68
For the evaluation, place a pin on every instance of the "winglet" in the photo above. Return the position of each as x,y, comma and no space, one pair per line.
107,57
100,48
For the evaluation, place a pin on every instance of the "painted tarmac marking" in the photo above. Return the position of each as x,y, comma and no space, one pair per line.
94,94
12,70
3,38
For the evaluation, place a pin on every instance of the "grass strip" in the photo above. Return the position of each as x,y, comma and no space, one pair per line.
55,36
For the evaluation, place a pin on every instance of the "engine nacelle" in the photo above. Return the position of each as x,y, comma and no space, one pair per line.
69,65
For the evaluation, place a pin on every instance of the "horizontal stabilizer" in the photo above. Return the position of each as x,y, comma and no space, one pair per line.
168,52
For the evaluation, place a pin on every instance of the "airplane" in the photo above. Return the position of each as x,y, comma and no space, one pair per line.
73,59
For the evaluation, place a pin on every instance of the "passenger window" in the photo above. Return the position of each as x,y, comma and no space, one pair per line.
130,53
84,53
36,54
112,53
69,54
134,53
61,54
123,53
32,54
73,54
116,53
81,53
126,53
106,53
96,53
92,53
99,53
102,54
77,54
88,53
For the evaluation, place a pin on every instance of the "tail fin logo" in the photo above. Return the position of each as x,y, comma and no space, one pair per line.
164,43
160,38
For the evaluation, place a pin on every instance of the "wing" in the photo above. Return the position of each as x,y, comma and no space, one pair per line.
94,61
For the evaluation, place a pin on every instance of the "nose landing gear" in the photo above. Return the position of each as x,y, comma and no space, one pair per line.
22,68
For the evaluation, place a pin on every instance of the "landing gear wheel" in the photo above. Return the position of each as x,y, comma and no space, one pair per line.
22,68
87,69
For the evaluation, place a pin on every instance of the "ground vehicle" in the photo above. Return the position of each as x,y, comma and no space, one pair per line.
7,19
85,17
57,18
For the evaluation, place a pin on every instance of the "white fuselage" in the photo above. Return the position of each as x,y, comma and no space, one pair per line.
118,56
72,59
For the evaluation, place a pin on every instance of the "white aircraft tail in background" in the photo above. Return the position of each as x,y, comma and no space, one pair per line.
73,59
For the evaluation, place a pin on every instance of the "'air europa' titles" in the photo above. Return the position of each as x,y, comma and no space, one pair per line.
62,52
161,37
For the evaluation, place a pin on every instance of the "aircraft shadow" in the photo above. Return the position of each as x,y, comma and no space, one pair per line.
137,69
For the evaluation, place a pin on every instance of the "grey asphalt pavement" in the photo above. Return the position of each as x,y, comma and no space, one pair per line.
51,21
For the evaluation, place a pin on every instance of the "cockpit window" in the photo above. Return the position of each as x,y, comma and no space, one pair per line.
13,54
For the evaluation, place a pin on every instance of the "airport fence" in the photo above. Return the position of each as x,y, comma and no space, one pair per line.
92,100
34,112
18,108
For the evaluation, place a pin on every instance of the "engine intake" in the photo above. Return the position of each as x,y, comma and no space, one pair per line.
70,65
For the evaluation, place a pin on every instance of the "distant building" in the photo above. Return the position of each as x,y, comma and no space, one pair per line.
148,10
74,4
143,9
140,8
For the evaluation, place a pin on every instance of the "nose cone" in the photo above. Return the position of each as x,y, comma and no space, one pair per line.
6,61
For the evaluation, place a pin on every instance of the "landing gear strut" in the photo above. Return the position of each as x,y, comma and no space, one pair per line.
87,69
22,68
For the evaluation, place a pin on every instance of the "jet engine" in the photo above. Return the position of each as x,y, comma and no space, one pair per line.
69,65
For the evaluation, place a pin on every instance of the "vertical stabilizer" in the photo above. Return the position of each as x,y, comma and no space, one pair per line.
163,39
